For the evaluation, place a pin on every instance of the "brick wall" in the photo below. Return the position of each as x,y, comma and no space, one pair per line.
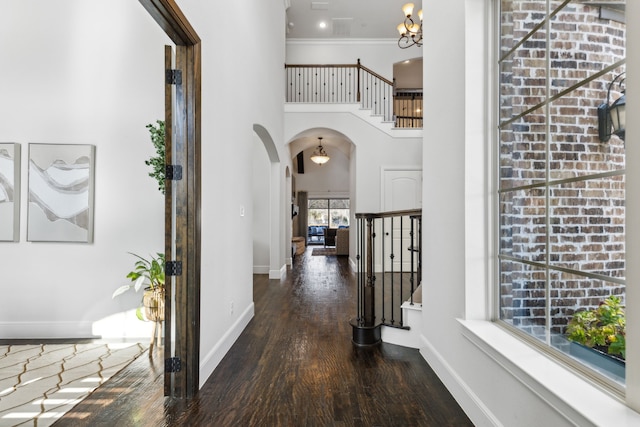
586,226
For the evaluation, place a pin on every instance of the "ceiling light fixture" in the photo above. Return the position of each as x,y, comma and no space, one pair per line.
320,156
410,31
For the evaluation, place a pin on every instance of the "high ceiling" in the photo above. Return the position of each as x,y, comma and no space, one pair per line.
344,19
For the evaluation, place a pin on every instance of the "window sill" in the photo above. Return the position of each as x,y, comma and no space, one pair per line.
577,399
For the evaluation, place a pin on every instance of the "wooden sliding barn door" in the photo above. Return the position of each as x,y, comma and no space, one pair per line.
182,199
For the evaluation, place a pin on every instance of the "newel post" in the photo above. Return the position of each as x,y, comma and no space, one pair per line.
359,67
365,330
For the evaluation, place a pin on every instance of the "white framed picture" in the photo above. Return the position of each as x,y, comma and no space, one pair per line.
61,186
9,192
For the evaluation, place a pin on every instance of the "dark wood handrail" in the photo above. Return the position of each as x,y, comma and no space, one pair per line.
376,75
358,65
320,65
388,214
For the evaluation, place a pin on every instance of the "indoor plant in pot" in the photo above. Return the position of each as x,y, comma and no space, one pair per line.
148,274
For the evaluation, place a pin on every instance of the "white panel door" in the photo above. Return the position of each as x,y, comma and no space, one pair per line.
402,190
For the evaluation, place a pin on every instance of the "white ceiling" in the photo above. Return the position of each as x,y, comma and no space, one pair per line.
359,19
345,19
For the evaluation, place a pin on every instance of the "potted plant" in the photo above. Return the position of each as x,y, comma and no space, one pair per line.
148,274
602,330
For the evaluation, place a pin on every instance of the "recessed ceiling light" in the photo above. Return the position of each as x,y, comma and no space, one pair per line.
323,24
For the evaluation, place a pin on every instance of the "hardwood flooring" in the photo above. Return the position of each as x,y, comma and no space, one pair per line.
294,365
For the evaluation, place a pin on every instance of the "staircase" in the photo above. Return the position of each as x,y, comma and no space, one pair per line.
363,92
389,272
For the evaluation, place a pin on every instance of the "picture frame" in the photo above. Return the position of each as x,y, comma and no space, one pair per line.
61,193
10,192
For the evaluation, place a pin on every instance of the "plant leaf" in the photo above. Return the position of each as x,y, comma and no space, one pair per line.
121,290
138,283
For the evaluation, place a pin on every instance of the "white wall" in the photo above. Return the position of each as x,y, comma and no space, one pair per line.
330,178
77,72
242,85
74,79
373,149
261,207
377,55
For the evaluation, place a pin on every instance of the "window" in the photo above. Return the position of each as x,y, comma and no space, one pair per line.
561,189
331,213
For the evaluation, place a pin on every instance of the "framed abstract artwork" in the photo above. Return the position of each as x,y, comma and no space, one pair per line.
61,186
9,192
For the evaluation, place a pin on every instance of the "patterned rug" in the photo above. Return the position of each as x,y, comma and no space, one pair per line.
40,382
323,251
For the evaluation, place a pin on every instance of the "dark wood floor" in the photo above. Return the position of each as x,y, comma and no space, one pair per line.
294,365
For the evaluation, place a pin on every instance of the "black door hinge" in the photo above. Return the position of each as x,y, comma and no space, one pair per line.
173,268
172,364
173,77
173,172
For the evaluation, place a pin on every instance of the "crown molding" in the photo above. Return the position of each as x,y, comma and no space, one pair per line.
327,41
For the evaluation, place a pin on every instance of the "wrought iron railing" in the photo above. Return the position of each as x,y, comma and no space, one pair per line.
407,107
389,269
341,83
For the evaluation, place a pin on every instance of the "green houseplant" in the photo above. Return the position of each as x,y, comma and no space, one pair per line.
602,328
157,163
147,274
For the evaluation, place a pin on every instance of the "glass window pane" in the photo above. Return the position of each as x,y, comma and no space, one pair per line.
588,226
523,297
318,217
572,294
523,227
339,203
318,203
523,151
517,18
582,44
575,148
339,218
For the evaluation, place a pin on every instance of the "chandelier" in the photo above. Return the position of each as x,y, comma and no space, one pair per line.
320,156
410,31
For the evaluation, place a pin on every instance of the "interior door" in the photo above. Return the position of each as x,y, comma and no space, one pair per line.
183,200
170,221
402,190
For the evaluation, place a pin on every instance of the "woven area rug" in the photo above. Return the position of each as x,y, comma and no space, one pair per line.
40,382
323,251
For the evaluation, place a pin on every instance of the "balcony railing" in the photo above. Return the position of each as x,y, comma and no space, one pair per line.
348,84
389,269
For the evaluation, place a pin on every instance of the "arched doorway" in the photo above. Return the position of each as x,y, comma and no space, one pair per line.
269,210
324,194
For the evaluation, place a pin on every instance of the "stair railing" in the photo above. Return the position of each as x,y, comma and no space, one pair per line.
407,107
340,84
389,269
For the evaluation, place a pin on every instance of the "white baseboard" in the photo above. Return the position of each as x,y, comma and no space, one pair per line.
260,269
278,274
209,363
50,330
475,409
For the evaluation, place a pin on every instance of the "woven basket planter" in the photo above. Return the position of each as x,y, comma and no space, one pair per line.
153,301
